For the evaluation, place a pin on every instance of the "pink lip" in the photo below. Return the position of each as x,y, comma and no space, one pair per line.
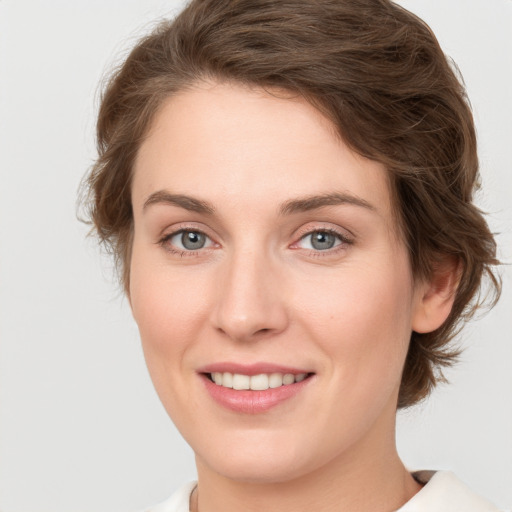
248,401
250,369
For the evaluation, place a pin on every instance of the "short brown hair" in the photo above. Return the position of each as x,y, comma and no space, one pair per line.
377,72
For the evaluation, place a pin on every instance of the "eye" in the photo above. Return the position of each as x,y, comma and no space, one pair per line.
188,240
321,240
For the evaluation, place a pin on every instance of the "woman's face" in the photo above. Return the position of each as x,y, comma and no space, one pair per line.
263,248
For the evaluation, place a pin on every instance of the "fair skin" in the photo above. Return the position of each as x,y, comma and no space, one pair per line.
261,240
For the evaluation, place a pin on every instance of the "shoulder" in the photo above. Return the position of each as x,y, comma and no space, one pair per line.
443,491
178,502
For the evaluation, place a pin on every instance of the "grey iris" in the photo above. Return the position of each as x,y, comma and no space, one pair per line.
322,240
192,240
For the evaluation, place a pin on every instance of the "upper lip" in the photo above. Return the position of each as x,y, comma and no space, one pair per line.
250,369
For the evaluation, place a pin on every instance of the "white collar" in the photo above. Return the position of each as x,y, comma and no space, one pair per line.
443,491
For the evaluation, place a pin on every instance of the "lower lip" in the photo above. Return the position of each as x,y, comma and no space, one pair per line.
252,402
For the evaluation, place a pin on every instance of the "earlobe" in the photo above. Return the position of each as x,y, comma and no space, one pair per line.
435,296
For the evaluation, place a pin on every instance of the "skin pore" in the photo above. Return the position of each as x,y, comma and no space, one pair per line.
260,239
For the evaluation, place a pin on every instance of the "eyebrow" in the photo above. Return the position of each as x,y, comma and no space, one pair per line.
292,206
314,202
183,201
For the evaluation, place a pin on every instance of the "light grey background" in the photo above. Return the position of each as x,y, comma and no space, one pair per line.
80,426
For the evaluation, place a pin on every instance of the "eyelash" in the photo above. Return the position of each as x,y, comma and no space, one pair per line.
164,242
344,242
316,253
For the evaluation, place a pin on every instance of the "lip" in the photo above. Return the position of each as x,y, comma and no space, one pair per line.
249,401
250,369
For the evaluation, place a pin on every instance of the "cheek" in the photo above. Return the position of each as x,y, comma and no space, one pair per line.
168,311
165,304
362,320
168,316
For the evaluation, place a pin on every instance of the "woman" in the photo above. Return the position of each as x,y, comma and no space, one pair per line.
287,187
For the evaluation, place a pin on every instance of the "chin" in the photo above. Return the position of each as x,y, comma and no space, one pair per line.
263,460
267,471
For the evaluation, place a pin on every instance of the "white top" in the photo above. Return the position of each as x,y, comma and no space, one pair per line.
443,492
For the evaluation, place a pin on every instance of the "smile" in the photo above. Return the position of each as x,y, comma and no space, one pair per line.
260,382
253,389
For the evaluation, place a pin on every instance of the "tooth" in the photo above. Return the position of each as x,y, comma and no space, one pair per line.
241,381
275,380
288,378
259,382
227,380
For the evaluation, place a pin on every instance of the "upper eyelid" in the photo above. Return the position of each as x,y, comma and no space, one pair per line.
310,228
174,229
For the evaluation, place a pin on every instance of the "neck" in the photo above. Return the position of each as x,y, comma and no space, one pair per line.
371,478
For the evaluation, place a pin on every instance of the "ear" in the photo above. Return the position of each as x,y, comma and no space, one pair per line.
435,296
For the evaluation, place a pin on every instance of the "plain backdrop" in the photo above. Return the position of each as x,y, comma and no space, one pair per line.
81,428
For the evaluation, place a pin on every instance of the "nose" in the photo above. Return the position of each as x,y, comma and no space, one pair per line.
250,298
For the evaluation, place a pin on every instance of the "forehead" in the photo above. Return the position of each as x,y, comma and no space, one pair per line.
225,142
